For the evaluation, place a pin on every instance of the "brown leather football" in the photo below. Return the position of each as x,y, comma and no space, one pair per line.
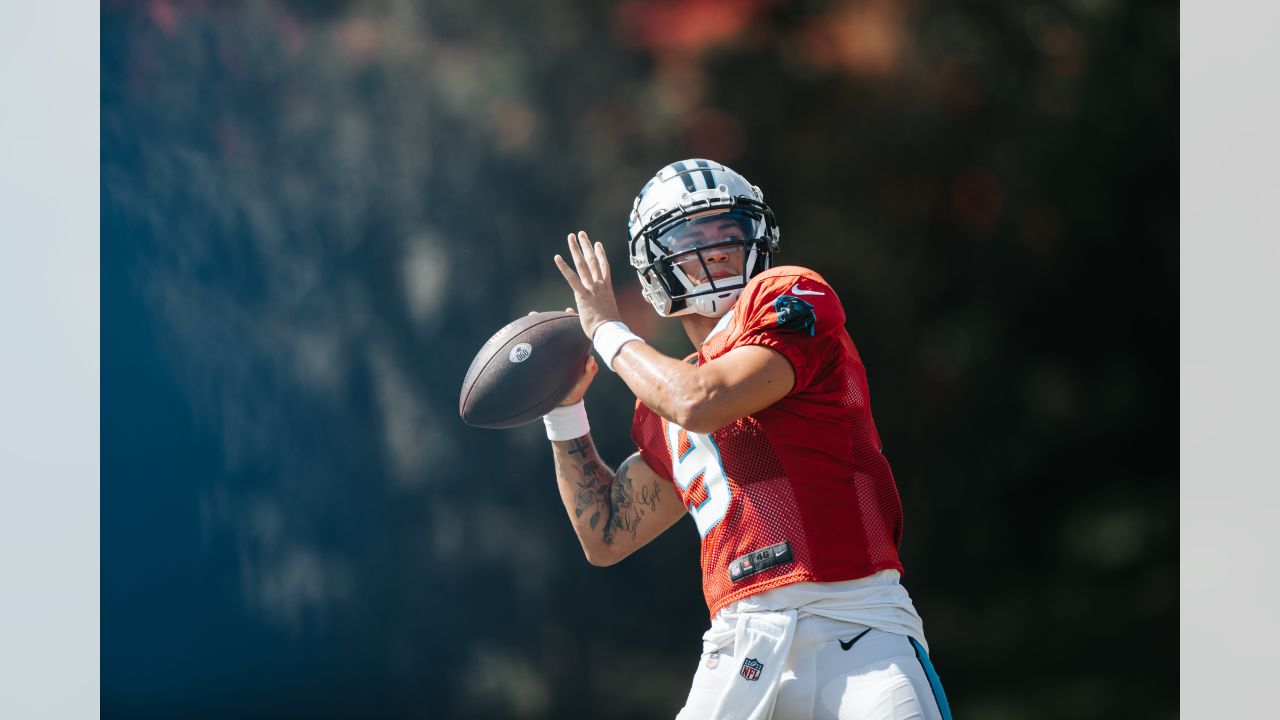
524,370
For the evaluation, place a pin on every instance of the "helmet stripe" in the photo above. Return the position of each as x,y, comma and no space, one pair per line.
706,174
683,172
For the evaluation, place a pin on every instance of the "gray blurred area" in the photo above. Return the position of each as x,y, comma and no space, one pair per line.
314,213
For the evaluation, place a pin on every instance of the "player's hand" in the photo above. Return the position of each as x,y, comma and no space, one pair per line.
592,283
589,370
580,388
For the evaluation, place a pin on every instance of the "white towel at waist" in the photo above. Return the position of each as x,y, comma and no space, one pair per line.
877,601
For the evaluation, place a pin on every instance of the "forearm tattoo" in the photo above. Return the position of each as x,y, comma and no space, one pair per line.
628,504
592,491
610,507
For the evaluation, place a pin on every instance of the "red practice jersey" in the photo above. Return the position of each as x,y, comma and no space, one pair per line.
798,492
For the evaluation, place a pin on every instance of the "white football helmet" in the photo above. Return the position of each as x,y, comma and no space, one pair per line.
699,231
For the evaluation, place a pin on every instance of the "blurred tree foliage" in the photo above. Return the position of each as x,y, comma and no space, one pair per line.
313,214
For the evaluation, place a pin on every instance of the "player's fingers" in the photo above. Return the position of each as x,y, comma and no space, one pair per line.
579,263
589,256
584,251
571,311
569,275
603,261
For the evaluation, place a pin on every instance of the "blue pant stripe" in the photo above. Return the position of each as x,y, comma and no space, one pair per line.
939,695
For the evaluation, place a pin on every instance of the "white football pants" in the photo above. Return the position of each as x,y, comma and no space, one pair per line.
881,676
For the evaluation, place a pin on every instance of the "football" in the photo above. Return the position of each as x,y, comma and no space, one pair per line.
524,370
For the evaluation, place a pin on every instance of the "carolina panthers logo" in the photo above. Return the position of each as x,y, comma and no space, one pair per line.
795,314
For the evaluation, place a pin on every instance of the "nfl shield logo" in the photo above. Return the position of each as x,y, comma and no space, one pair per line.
713,661
751,669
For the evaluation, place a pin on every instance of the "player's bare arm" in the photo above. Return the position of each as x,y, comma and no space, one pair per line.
705,398
698,398
613,513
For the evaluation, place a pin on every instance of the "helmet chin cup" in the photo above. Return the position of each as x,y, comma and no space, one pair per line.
714,305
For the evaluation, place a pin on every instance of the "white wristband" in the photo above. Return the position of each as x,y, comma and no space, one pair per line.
567,423
609,339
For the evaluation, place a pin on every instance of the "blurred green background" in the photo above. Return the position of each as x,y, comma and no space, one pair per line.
314,213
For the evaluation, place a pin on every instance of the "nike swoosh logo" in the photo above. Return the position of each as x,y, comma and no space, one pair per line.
795,290
846,645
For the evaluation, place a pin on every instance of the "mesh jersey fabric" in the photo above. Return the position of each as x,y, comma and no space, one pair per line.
808,470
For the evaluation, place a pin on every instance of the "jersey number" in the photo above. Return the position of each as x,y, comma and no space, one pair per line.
700,460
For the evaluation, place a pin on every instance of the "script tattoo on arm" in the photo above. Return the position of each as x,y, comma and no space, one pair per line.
628,504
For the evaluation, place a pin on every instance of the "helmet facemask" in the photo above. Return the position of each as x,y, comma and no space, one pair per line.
700,262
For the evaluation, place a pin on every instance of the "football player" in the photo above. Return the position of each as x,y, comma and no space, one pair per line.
765,437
